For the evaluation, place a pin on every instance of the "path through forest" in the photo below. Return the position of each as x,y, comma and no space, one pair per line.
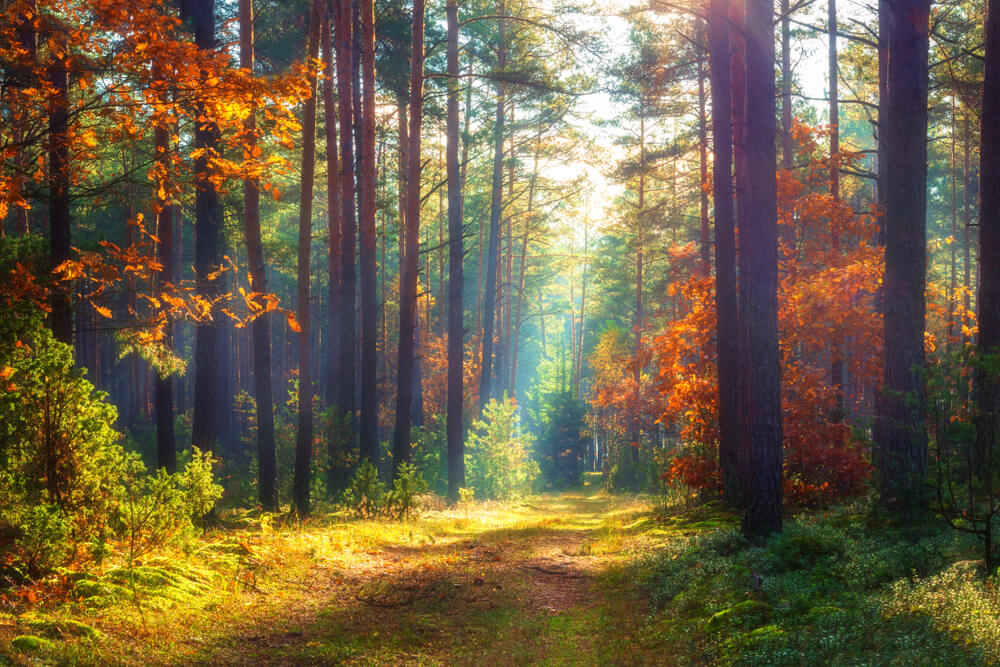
539,583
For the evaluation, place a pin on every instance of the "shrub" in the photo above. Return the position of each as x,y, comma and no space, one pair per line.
401,500
496,461
365,497
65,479
157,509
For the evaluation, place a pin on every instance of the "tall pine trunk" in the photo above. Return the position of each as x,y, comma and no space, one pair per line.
369,304
336,464
758,326
61,316
408,286
304,434
208,255
496,206
345,404
267,468
456,279
987,382
902,434
725,252
163,389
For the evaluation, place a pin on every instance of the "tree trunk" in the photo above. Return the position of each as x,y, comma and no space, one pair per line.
836,344
787,145
166,445
703,237
408,287
304,435
490,288
369,304
902,429
61,315
335,440
343,18
456,256
267,469
208,256
987,381
758,325
725,253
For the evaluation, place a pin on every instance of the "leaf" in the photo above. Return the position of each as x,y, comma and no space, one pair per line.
101,310
293,323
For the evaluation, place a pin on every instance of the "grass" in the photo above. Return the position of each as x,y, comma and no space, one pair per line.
578,578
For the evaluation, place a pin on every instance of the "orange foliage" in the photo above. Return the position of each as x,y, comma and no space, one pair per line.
828,281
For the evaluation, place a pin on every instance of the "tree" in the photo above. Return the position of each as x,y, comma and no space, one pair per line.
727,327
208,255
902,435
304,433
369,304
759,358
267,472
411,261
987,377
456,257
496,206
348,278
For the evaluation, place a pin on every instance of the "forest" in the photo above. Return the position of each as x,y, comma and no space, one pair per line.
569,332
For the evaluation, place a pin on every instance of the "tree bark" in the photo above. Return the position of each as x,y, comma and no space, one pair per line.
304,434
490,288
902,429
336,463
456,278
267,469
761,407
369,304
61,315
343,18
166,445
208,256
987,381
408,286
725,252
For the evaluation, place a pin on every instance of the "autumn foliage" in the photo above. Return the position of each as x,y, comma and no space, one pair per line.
829,276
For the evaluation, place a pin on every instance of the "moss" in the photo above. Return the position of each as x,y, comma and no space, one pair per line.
32,644
741,612
59,629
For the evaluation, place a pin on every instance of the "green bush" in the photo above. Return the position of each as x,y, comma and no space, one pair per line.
154,510
408,484
497,463
65,478
365,497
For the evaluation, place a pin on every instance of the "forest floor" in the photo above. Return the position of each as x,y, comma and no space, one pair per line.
575,578
542,582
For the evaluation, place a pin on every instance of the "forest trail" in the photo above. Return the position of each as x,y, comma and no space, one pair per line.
536,583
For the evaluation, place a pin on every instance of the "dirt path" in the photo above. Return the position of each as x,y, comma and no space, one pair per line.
530,585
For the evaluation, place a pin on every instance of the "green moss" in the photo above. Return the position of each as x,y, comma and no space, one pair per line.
740,613
62,628
32,644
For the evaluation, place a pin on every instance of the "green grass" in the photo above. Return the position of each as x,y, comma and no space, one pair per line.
577,578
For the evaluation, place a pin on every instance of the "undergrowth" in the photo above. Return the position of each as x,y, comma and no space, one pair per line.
835,588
